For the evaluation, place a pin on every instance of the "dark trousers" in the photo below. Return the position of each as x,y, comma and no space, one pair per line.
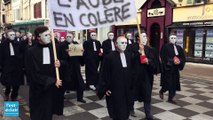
147,108
79,93
14,93
172,93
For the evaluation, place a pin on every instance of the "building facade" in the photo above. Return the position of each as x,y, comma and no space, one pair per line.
195,31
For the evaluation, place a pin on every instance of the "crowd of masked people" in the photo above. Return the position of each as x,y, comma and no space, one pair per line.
120,70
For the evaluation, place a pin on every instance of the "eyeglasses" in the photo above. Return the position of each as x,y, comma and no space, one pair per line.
69,36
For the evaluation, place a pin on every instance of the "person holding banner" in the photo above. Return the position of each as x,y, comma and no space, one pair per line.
108,44
92,56
11,58
115,81
46,95
173,60
74,80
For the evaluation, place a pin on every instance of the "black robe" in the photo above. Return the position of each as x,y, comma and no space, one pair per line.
107,47
117,79
72,73
170,77
24,47
144,73
12,66
91,59
45,98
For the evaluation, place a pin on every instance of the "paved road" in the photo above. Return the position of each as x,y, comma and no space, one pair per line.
195,101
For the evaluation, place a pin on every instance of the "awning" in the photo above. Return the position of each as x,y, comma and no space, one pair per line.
36,22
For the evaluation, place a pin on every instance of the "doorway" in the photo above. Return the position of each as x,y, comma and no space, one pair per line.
155,36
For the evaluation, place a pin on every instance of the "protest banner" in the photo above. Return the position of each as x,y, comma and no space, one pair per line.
75,50
86,14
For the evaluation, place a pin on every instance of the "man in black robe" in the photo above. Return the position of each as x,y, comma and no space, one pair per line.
74,80
144,65
45,96
12,65
92,56
173,60
108,44
115,81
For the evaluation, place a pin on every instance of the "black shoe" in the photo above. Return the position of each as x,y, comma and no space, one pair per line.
81,100
161,95
132,113
150,117
172,101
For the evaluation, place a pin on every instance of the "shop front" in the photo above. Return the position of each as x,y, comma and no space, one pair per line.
195,32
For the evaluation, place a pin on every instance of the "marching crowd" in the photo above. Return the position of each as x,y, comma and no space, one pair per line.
120,69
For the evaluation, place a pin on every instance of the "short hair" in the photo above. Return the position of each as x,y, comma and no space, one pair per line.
40,29
10,30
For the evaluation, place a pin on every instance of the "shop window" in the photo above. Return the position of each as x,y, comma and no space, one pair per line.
209,44
198,47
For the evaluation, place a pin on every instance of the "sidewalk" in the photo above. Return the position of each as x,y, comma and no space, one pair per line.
197,71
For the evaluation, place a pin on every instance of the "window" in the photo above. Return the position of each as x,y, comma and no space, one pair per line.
156,4
37,10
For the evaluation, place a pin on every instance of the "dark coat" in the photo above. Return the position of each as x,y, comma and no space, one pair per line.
45,98
117,79
107,47
170,77
144,72
12,66
91,59
72,73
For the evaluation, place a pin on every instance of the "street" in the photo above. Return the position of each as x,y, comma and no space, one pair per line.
194,102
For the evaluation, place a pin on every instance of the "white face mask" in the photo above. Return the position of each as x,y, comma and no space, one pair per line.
129,36
57,35
173,39
29,36
11,35
62,39
121,43
144,38
45,37
69,38
17,34
111,36
93,36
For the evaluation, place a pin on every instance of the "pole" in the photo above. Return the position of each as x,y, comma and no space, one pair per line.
55,54
139,34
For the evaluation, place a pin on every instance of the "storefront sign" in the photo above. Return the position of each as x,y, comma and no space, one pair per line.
156,12
194,24
86,14
194,13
